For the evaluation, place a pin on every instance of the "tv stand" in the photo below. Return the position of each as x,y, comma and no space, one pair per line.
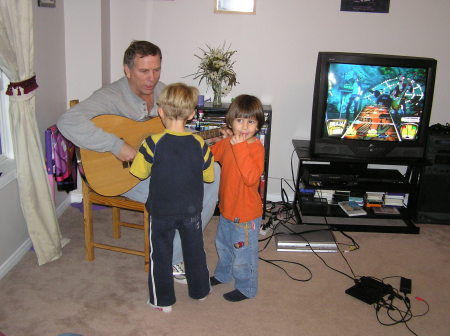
322,174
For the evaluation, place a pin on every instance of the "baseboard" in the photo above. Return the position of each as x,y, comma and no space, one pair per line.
20,252
14,259
76,196
63,206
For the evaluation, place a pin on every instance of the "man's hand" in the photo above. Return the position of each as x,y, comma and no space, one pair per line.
226,132
127,153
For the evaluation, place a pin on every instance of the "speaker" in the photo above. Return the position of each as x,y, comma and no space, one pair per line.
434,188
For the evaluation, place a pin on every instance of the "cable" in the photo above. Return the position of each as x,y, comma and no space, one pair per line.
273,262
285,211
404,315
317,255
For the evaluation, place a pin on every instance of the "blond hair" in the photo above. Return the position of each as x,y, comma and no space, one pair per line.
178,100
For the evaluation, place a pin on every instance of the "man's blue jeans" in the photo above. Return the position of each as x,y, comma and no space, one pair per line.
210,196
237,248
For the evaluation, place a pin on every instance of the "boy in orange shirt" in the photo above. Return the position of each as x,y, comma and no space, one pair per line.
242,159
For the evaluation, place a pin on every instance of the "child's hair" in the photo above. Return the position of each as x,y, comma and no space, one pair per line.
178,100
245,106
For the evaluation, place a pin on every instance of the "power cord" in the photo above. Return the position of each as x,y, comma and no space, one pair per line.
279,214
396,314
403,314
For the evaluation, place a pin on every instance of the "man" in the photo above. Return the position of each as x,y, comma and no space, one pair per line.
133,96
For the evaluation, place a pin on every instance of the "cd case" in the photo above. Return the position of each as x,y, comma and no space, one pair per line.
351,208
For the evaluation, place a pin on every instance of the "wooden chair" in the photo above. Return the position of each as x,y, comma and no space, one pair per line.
117,203
131,131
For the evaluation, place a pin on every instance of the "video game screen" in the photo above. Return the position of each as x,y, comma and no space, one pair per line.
368,102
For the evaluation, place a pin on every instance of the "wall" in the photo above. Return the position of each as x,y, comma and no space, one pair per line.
277,52
50,65
82,21
130,20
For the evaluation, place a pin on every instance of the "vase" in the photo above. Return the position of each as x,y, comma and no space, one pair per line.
217,89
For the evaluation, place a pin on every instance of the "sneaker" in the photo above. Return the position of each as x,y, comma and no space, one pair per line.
166,309
179,274
204,298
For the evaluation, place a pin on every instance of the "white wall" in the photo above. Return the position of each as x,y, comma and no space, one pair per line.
82,20
130,20
14,239
277,52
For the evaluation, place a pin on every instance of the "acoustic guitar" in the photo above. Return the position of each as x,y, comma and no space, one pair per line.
103,171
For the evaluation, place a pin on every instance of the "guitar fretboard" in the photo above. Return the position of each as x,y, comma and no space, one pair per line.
212,133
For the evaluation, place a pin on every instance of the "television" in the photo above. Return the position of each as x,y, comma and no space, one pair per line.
371,107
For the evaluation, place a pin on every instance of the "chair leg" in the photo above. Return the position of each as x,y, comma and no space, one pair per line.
116,222
88,229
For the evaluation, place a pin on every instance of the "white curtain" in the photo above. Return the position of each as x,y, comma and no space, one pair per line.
16,61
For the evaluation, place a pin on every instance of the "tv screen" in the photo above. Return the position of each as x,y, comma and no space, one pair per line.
370,106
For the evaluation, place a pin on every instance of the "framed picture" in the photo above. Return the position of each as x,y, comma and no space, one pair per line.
371,6
235,6
46,3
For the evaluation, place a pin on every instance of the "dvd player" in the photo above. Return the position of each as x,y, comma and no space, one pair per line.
305,238
317,175
328,176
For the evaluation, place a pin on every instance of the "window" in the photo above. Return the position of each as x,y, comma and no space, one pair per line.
5,135
7,164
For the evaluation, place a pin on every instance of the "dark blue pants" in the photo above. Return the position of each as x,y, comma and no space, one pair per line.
160,280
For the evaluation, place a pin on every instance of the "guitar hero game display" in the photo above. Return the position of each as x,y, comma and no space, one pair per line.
371,106
377,102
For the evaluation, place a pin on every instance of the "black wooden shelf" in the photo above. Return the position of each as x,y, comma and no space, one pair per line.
372,179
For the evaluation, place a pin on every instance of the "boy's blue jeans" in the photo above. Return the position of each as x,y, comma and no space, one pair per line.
237,248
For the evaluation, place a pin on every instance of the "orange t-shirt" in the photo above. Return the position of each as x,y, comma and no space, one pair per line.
242,167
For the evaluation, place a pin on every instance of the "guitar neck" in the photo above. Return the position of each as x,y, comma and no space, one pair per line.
212,133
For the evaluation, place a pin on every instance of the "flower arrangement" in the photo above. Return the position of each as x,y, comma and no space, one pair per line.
216,68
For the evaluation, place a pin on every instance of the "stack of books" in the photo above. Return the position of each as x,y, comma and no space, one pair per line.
391,199
341,195
385,211
374,199
358,197
262,135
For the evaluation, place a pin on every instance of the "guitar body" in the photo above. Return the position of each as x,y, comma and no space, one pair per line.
104,172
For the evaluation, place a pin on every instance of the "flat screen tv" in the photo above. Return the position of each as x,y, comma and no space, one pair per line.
371,107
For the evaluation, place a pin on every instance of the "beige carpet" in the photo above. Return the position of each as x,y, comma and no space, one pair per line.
108,296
